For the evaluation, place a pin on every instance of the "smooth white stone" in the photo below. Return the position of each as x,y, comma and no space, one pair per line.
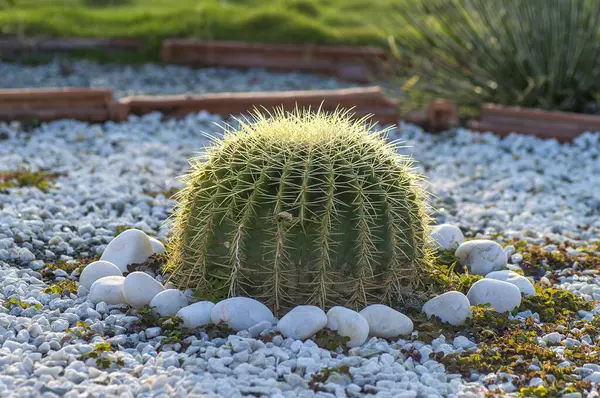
553,338
129,247
157,246
447,236
502,296
348,323
168,302
302,322
140,288
386,322
241,313
96,270
108,289
197,314
481,256
451,307
523,283
463,342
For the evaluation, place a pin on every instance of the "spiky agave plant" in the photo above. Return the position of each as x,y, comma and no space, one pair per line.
534,53
300,208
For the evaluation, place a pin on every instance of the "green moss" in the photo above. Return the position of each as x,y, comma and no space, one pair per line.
317,380
82,331
121,228
446,257
172,328
537,261
14,302
101,353
42,180
330,340
68,266
64,287
555,304
447,274
513,347
483,325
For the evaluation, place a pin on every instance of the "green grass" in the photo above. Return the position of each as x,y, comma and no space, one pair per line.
353,22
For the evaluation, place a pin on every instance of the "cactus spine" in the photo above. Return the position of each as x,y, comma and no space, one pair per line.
300,208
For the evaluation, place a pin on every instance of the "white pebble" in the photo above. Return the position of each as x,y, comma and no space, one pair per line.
348,323
447,236
60,325
168,302
463,342
96,270
196,315
523,283
157,246
23,336
108,289
553,338
386,322
153,332
129,247
302,322
481,256
451,307
140,288
502,296
241,313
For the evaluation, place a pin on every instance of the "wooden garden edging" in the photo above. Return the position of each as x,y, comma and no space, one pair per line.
86,104
563,126
439,115
365,101
359,64
97,105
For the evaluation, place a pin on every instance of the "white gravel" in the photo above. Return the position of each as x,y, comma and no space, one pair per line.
114,175
157,79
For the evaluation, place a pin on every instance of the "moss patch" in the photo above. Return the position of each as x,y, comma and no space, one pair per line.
102,354
42,180
64,287
154,264
514,347
14,302
537,262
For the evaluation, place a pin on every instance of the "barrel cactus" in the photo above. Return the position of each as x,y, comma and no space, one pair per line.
300,208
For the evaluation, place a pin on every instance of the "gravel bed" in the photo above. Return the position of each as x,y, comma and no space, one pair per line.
112,175
153,79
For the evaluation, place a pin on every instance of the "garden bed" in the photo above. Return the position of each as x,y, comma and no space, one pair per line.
88,183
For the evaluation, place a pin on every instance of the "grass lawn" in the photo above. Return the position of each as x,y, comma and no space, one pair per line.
354,22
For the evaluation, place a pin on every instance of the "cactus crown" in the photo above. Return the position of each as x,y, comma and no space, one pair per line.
300,208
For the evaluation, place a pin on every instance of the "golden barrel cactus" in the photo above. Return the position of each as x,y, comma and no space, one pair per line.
298,208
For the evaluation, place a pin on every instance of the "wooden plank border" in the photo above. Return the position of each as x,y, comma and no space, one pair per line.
359,64
365,101
86,104
98,105
563,126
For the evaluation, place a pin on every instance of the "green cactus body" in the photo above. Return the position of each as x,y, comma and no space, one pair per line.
300,208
